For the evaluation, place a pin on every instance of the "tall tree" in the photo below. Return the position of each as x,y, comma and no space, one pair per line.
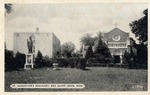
89,53
67,49
8,8
139,28
38,59
101,51
87,39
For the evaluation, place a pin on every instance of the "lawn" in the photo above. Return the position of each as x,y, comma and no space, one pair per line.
94,78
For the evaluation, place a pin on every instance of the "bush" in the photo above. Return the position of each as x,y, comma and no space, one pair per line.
38,60
14,62
9,60
20,60
82,63
99,58
94,62
46,61
72,62
62,62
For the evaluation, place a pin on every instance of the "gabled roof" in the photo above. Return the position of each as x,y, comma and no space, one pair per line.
116,31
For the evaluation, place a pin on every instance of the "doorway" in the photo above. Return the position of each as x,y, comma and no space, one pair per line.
116,59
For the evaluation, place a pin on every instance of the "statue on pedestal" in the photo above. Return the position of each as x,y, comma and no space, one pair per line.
30,43
30,56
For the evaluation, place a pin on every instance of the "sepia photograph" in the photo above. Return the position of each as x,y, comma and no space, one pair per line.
75,47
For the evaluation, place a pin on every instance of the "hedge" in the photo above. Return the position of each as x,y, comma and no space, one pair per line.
96,62
73,62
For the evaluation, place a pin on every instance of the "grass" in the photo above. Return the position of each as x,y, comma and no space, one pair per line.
94,79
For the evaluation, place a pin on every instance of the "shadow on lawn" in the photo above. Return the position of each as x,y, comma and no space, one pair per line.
86,69
9,70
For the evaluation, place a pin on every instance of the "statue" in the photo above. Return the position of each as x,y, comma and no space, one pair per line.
30,43
30,56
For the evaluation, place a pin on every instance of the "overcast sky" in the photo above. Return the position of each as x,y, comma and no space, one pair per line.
70,21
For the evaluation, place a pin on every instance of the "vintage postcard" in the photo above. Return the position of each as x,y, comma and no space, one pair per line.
90,47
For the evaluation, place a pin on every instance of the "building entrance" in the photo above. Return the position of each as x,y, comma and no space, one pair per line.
117,59
117,56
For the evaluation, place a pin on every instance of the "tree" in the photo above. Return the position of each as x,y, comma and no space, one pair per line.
142,56
20,60
139,28
38,59
9,60
101,51
67,49
8,8
87,39
89,53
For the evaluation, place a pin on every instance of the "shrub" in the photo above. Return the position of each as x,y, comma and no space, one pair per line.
20,60
92,62
9,60
38,60
82,63
72,62
14,62
46,61
62,62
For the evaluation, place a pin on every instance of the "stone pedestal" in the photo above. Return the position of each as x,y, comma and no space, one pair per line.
29,61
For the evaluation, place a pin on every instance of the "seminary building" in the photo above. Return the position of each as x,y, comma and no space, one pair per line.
45,42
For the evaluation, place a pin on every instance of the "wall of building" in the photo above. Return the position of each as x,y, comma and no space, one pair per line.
43,43
46,43
56,45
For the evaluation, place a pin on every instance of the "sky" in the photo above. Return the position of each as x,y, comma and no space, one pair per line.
69,21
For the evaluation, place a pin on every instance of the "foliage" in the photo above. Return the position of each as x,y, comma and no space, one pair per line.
135,61
140,27
76,54
87,39
82,63
72,62
8,8
89,52
99,61
142,56
38,59
9,60
67,49
101,51
14,62
62,62
46,61
126,59
20,60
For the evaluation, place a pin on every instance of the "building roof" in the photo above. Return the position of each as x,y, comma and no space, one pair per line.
116,31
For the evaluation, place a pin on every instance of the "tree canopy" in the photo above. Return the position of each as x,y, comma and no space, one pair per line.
8,8
140,29
87,39
67,49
